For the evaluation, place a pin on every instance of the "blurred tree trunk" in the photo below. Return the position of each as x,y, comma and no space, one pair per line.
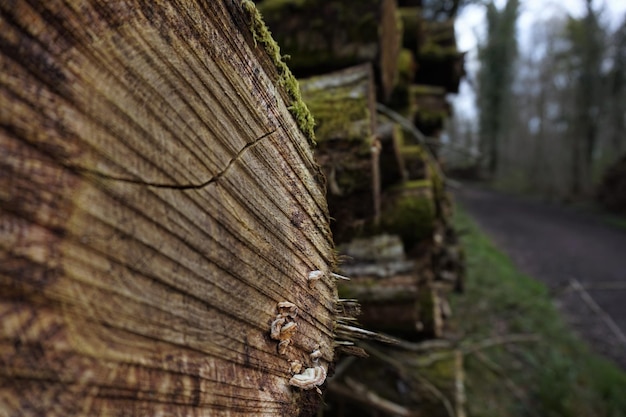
588,46
495,79
617,94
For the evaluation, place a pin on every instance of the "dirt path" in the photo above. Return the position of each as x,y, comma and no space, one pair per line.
581,259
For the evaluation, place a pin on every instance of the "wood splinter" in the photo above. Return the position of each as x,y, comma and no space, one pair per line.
316,275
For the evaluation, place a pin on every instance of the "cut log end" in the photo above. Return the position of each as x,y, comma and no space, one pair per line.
158,200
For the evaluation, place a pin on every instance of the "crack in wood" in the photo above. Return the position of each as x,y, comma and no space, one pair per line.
102,175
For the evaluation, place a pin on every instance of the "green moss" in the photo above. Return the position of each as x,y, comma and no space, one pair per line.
286,79
411,216
413,152
415,184
340,106
347,119
406,66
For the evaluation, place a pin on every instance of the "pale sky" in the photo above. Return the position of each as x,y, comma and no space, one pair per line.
470,26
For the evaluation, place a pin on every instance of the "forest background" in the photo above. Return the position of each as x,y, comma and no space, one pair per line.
543,107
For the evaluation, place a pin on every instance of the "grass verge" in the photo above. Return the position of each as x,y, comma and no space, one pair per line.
556,376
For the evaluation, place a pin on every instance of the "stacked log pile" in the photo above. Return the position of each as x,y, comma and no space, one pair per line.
390,212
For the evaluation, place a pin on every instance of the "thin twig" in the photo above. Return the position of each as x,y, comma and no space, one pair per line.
349,332
498,340
466,348
426,346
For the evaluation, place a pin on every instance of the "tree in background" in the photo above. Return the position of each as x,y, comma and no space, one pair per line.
495,79
588,44
552,113
616,94
532,158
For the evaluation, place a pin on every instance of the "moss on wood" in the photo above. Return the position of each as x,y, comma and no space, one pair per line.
343,104
263,37
406,66
340,110
411,213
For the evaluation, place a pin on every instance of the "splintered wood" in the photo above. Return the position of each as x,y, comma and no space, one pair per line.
157,200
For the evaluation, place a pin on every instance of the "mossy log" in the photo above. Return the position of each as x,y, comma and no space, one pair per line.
431,99
410,211
343,104
322,36
416,162
157,200
434,44
440,65
394,290
448,258
405,305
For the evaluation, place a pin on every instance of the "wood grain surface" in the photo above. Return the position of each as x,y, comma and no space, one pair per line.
156,201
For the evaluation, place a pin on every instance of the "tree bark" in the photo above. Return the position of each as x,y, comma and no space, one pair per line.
157,200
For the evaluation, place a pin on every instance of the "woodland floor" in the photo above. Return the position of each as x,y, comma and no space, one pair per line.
580,257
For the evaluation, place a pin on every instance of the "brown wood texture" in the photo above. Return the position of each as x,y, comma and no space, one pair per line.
157,200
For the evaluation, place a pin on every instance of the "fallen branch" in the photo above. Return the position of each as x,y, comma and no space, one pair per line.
466,348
